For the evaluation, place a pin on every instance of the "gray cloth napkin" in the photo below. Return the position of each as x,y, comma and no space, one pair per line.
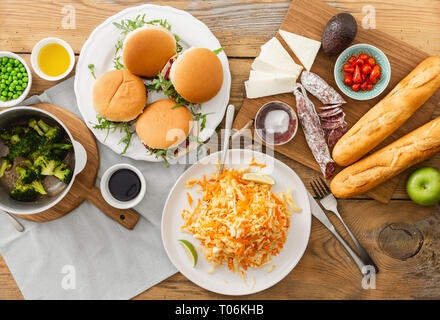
86,255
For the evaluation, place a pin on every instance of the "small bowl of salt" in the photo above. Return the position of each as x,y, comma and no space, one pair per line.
276,123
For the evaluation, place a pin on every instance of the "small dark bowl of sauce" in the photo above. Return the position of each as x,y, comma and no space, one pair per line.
276,123
123,186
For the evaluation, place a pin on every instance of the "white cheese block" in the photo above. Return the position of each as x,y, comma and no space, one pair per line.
258,75
268,66
257,88
304,48
274,54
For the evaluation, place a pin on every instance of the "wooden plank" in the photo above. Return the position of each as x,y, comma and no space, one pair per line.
241,25
308,18
416,23
326,270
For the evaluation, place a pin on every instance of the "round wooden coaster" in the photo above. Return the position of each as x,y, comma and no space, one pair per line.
83,187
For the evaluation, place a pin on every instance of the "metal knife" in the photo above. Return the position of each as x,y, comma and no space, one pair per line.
319,214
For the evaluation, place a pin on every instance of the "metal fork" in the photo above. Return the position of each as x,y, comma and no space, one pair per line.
329,202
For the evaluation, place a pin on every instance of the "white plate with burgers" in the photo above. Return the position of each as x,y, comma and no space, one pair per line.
136,44
247,236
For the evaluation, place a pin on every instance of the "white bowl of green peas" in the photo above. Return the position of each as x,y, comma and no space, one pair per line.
15,79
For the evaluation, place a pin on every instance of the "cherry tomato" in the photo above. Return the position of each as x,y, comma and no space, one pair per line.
371,61
369,86
364,85
366,69
371,80
348,68
375,73
351,60
357,76
355,86
364,56
359,62
348,79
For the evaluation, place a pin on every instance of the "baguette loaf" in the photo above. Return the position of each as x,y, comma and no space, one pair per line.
389,161
390,113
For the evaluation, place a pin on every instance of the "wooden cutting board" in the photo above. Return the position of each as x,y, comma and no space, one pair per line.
83,187
308,18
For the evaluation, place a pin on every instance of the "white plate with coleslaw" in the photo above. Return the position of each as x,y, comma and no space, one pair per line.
99,50
222,280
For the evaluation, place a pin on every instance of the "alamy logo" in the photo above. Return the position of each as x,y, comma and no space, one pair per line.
369,19
69,280
69,19
369,279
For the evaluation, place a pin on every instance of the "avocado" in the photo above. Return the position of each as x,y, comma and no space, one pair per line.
339,32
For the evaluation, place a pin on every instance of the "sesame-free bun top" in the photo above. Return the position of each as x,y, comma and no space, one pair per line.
146,50
197,75
161,126
119,95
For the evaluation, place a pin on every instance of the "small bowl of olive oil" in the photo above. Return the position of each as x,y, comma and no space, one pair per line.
52,59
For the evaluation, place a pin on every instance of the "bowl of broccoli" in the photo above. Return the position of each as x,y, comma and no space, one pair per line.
39,160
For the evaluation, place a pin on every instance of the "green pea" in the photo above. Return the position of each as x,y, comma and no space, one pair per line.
4,93
2,86
18,87
8,81
10,94
15,82
5,60
24,85
15,96
25,79
19,75
3,99
14,78
9,69
20,92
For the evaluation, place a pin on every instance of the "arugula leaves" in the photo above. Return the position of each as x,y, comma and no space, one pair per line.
110,127
217,51
92,70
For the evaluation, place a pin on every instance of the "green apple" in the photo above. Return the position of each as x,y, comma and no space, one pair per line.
423,186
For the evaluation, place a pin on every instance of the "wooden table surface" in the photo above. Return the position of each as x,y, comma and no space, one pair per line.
403,238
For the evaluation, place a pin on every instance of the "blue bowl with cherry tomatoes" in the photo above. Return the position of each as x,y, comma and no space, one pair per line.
362,72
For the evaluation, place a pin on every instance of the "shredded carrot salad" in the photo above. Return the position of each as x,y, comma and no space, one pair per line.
239,223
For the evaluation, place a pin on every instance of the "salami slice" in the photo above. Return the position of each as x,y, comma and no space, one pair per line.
313,132
330,106
330,113
340,118
336,134
320,89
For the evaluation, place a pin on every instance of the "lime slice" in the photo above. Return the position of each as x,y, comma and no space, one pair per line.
190,251
258,177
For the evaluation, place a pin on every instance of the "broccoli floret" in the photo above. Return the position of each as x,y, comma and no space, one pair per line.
15,139
63,173
51,133
6,165
62,146
24,192
46,165
27,192
24,145
27,175
33,124
38,187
